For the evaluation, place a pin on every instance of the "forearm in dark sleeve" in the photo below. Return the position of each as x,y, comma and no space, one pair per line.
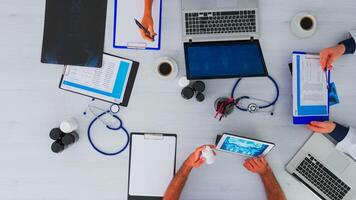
350,45
339,133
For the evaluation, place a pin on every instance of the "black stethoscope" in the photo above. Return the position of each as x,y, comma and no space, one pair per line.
114,110
254,107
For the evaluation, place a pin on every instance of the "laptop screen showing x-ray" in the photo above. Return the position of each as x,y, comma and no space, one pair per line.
227,59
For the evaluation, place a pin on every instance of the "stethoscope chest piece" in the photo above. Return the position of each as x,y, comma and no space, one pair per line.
252,108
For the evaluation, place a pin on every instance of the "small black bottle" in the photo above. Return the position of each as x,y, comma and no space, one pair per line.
198,86
200,97
57,146
187,93
56,134
70,138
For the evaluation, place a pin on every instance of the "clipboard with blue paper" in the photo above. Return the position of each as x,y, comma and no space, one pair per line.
126,32
310,89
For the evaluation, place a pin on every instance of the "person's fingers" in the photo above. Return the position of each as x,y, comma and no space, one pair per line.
198,151
330,62
329,66
318,124
144,36
214,153
150,29
259,162
310,127
315,128
255,163
263,160
199,162
323,61
248,166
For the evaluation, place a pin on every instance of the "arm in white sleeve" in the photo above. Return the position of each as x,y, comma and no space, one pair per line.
348,144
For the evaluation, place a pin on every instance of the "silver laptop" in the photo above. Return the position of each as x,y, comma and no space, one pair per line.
328,173
219,20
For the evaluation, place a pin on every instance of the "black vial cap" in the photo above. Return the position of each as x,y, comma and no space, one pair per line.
57,147
187,93
56,134
200,97
199,86
68,139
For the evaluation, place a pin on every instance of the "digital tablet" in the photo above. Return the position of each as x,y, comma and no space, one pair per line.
243,146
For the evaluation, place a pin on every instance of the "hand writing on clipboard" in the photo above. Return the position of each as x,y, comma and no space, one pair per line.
146,25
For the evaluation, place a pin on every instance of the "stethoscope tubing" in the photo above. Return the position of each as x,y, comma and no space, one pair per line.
247,97
110,128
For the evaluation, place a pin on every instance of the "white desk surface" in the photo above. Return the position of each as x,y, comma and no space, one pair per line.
32,104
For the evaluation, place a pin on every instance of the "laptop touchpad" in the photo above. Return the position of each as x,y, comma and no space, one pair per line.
337,161
226,3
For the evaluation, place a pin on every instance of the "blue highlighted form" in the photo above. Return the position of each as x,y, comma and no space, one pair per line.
118,86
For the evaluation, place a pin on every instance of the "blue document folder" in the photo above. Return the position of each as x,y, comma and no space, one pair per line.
310,89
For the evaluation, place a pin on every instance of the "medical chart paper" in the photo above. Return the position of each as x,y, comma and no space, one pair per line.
106,83
126,32
313,82
310,86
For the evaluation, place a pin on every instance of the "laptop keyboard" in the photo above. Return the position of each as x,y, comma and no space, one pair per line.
242,21
322,178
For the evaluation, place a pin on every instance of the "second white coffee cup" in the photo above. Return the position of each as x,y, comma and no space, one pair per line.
166,68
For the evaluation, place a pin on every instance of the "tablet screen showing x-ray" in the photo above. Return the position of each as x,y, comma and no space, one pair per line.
243,146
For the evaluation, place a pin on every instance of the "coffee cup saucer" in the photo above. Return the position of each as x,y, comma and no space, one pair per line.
174,71
296,28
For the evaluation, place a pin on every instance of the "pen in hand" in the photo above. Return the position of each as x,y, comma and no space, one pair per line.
326,77
147,33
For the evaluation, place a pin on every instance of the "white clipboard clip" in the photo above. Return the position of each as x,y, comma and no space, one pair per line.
153,136
136,45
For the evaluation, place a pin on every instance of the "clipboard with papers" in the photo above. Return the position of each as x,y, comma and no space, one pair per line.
113,82
152,165
310,89
126,33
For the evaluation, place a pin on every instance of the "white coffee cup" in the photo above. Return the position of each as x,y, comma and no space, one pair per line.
68,125
303,25
166,68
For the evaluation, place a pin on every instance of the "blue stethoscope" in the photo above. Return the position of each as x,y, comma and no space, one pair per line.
254,107
114,109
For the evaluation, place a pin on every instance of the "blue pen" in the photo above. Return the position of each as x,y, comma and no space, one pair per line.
326,77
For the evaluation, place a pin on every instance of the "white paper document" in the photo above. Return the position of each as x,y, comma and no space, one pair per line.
152,165
313,82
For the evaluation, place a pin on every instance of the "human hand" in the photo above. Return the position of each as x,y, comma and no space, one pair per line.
329,55
147,22
257,165
322,127
195,159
